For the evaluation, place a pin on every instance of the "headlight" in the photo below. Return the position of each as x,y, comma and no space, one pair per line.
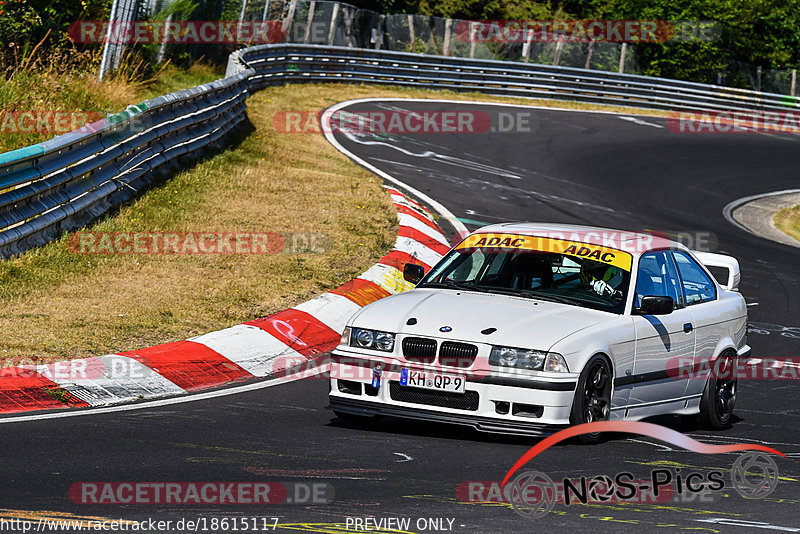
368,339
535,360
364,338
384,341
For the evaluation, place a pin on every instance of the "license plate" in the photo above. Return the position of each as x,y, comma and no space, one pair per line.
429,380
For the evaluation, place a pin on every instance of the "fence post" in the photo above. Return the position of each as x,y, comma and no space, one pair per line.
589,55
379,32
241,21
332,29
622,55
758,78
471,39
411,32
311,8
107,45
241,13
348,33
794,82
557,56
448,28
526,46
287,22
130,9
162,49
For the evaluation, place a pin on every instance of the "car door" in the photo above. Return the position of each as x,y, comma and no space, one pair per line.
708,315
663,342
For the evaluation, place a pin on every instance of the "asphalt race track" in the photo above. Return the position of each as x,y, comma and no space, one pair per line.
571,167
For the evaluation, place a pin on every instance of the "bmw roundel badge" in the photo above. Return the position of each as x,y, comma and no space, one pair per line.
445,329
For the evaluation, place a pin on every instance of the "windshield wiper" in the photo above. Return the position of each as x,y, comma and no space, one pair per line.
455,285
473,287
551,298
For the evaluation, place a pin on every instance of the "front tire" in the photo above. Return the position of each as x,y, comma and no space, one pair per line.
592,397
719,396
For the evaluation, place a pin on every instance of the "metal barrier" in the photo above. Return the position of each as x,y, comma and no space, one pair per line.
290,63
64,183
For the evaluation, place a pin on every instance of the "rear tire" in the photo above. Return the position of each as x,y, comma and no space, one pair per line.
592,397
719,396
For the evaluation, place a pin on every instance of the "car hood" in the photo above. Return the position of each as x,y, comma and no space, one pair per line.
519,322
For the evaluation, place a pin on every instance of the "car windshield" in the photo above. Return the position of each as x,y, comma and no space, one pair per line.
571,273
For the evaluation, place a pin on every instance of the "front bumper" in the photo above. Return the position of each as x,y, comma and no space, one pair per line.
483,424
491,403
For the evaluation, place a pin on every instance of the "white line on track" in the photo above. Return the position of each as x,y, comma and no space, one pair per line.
733,522
636,120
478,102
459,227
443,211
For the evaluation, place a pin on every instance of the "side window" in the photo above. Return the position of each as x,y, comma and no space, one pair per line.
697,285
657,276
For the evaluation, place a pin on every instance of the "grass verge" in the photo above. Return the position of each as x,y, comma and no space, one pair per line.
56,304
787,221
53,87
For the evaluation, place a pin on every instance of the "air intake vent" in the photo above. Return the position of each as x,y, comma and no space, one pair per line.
457,401
461,355
419,349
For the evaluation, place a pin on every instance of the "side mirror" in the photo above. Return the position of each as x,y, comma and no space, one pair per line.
657,305
413,273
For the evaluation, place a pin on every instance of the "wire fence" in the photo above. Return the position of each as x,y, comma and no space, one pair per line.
323,22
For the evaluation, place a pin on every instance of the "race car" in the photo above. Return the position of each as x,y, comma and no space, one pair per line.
528,328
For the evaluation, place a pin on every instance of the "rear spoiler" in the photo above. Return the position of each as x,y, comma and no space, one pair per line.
724,262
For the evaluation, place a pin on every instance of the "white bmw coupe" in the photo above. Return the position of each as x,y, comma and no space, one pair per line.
527,328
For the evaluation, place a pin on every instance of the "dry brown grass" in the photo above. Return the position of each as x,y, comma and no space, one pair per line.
787,221
67,82
56,304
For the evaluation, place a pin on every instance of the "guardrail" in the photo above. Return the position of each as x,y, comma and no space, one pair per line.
66,182
291,63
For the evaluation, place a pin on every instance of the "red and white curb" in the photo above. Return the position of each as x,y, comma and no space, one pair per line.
257,349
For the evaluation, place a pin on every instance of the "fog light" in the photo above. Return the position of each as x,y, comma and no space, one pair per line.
501,407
